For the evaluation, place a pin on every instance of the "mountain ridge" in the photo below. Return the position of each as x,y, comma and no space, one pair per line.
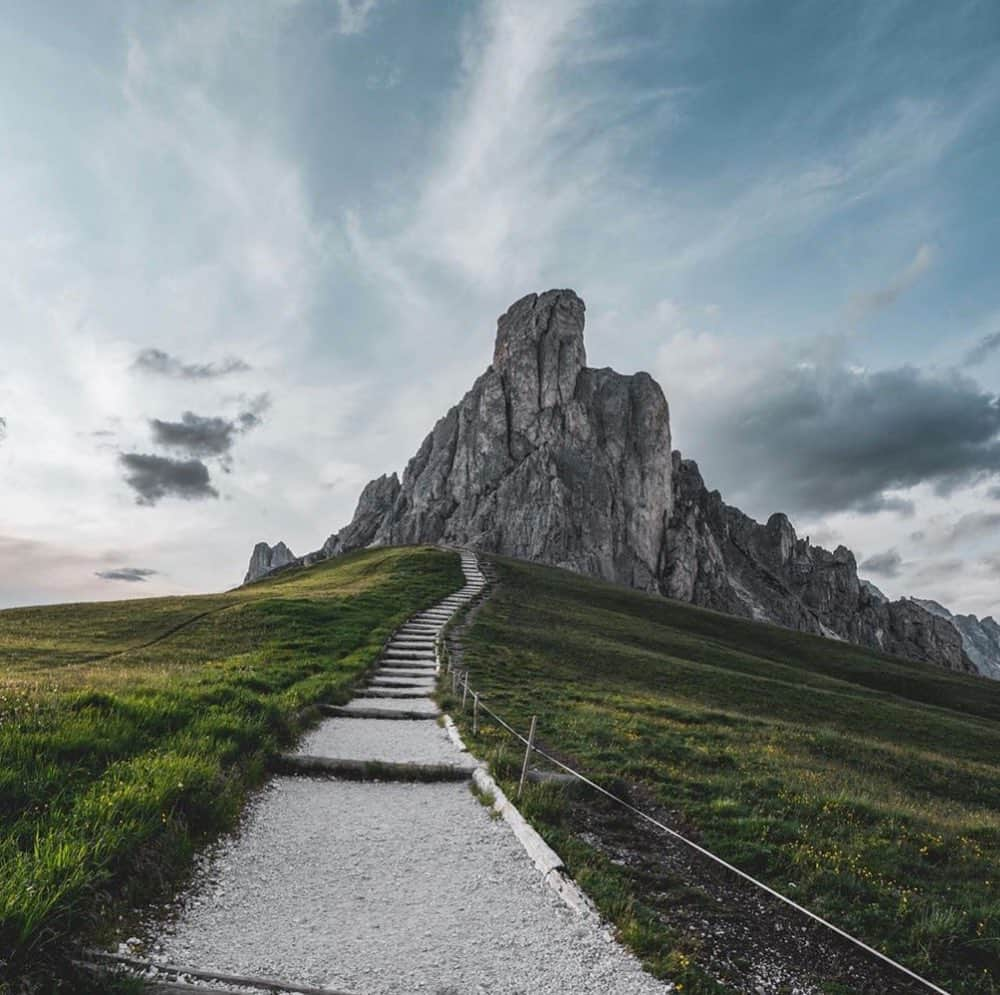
550,460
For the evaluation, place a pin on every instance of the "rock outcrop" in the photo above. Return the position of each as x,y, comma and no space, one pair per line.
980,637
543,459
547,459
265,559
718,557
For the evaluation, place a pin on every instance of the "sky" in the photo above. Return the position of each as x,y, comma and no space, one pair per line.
250,252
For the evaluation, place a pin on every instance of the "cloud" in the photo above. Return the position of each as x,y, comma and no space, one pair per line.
992,563
132,575
865,305
968,528
161,363
535,104
156,477
936,570
199,436
880,502
352,15
806,432
3,429
980,352
195,435
885,564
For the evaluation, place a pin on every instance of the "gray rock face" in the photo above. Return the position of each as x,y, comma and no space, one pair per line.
980,638
264,559
549,460
543,459
720,558
374,506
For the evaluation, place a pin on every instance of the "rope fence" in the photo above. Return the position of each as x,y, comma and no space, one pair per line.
460,684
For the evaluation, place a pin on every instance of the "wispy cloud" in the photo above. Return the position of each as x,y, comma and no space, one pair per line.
353,15
495,203
967,528
865,305
158,362
885,564
982,351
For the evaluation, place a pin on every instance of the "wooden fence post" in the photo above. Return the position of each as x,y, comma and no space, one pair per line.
475,713
527,755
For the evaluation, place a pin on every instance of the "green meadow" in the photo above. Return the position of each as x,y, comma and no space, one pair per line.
132,731
865,786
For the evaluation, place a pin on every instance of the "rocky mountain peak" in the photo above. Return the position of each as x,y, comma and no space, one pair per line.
547,459
539,347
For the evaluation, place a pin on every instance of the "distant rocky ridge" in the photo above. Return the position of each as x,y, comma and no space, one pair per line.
549,460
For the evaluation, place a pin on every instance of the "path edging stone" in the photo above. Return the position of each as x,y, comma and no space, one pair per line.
548,862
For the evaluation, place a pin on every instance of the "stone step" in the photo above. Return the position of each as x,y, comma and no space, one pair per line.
370,770
342,712
402,692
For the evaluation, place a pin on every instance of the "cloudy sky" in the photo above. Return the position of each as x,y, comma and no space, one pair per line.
249,252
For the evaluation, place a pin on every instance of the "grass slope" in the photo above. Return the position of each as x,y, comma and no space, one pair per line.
131,730
865,786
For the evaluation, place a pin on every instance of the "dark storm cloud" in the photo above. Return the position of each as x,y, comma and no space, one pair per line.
200,436
982,350
885,564
195,435
158,362
131,574
821,438
155,477
879,502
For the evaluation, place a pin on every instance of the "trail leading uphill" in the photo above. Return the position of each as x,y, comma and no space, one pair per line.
382,887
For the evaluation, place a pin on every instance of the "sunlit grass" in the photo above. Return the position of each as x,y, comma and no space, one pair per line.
867,786
130,731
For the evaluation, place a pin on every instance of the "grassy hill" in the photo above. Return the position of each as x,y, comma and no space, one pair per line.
865,786
131,730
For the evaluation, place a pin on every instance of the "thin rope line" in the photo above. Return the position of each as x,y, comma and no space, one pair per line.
707,853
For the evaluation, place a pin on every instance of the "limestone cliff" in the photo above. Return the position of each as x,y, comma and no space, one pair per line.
547,459
265,559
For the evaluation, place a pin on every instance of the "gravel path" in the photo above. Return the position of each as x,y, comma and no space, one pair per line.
389,888
384,889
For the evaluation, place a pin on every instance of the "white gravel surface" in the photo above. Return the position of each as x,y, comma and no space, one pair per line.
384,889
396,704
370,739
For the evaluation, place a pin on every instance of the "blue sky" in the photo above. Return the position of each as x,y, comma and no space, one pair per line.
250,252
